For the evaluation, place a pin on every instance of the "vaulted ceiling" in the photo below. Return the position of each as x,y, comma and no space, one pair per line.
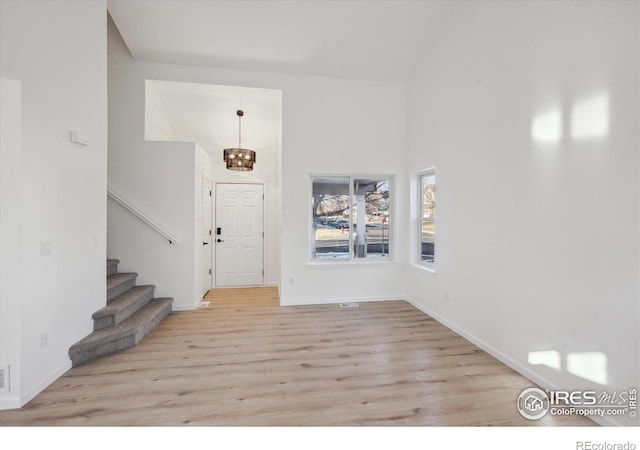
376,40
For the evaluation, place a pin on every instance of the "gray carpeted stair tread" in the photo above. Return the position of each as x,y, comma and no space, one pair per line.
120,278
123,336
122,306
119,283
130,314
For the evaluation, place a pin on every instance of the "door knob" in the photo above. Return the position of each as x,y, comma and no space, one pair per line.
205,243
219,240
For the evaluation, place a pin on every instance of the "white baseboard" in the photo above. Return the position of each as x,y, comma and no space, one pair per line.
44,383
183,308
10,401
505,359
330,301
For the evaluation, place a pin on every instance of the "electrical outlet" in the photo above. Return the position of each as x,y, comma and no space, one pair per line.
44,340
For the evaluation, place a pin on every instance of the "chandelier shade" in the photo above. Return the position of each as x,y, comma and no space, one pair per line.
238,158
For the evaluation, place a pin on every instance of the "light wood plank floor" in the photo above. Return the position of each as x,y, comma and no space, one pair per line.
246,361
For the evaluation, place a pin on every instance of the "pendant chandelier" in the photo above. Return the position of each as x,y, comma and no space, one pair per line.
239,158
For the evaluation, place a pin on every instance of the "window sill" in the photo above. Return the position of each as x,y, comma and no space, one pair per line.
423,268
350,264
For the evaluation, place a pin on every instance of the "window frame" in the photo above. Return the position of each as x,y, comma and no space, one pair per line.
352,260
431,171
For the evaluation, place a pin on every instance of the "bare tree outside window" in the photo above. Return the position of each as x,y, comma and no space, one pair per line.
427,217
350,218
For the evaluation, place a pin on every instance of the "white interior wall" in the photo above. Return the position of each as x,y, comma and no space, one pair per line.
329,125
157,125
57,51
529,112
273,213
158,180
10,237
155,177
346,127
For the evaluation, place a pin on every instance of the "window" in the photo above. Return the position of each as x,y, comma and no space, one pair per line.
350,218
427,216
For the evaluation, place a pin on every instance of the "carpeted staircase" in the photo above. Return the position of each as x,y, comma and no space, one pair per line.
131,313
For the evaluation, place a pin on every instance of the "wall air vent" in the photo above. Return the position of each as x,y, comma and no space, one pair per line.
349,305
4,378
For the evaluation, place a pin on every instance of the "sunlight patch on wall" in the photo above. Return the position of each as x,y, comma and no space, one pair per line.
591,366
547,127
590,118
550,358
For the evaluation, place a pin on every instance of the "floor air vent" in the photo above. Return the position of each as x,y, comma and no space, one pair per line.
203,304
4,378
349,305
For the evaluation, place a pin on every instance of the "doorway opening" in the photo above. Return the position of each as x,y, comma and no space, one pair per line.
206,115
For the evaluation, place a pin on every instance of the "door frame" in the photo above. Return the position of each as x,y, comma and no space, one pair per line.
207,177
214,281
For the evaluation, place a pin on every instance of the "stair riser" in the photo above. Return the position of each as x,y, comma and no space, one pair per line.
120,289
152,324
111,320
87,350
112,266
111,348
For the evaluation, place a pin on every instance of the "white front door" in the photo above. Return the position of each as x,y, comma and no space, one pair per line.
239,234
207,234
